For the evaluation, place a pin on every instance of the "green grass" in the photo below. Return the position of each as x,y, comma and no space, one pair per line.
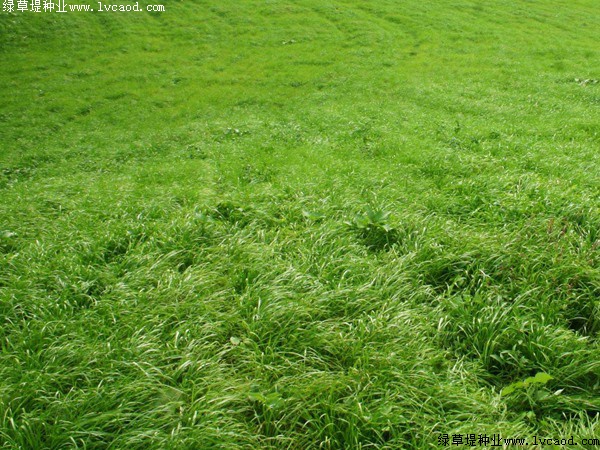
268,224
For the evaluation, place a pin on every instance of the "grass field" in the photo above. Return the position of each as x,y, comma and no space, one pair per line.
297,225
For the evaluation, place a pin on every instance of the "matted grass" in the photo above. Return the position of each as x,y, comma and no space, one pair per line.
268,224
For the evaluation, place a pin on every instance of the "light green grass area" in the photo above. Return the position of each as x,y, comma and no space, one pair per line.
298,225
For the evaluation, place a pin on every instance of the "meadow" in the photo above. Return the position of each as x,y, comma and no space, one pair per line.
300,225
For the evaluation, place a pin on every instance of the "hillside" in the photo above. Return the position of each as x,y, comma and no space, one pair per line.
269,224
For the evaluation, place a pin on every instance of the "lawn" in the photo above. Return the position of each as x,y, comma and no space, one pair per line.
300,225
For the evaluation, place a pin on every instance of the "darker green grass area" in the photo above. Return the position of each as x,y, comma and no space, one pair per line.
299,225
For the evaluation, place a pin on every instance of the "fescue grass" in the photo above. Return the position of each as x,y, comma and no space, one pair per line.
299,225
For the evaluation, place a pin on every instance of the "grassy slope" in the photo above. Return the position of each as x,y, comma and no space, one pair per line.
176,265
